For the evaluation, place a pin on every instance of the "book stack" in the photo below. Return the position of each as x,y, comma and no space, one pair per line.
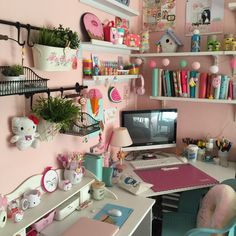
193,84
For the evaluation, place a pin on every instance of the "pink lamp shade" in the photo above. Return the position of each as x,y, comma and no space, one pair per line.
121,137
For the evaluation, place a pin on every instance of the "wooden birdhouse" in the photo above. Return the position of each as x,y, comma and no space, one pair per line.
169,42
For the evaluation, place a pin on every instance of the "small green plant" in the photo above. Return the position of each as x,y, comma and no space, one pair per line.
57,110
58,37
14,70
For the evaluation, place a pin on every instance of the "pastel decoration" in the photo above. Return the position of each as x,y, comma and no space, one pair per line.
183,63
196,65
24,129
165,62
114,95
138,61
152,64
94,95
214,69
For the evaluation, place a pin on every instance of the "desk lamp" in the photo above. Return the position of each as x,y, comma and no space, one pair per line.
121,138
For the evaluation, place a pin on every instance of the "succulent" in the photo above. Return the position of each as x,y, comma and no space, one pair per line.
14,70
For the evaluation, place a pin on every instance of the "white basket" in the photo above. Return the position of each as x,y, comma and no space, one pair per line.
53,58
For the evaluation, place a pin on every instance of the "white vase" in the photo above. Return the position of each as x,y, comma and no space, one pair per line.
53,58
47,130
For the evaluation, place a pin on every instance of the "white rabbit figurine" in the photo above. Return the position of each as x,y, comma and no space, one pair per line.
24,129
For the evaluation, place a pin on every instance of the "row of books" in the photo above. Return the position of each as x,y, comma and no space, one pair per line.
192,84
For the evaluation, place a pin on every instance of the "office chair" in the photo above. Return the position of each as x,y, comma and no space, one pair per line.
184,221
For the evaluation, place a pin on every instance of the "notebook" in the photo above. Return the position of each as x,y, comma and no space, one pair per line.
88,227
102,215
175,177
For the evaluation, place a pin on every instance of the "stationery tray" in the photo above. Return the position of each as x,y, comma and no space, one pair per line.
84,125
27,83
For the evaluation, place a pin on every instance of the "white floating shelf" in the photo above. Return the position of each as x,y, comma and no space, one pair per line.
103,79
113,7
97,45
232,5
204,100
179,54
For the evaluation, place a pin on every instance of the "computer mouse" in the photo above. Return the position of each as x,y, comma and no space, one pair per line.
114,212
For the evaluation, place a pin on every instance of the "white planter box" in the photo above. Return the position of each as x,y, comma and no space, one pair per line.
53,58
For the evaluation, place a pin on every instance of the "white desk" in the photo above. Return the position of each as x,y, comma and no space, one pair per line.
138,223
216,171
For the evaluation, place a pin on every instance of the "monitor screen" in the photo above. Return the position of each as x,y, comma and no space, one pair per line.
150,129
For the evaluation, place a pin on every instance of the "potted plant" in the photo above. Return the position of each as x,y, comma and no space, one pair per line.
13,73
55,49
56,113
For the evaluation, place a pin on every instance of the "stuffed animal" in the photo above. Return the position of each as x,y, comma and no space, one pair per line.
24,129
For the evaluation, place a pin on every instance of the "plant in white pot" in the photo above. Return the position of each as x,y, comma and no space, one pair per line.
55,49
56,113
13,74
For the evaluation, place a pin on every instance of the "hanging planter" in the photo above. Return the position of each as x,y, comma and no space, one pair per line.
56,49
56,113
48,58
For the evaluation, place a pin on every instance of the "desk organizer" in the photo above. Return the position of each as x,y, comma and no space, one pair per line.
29,83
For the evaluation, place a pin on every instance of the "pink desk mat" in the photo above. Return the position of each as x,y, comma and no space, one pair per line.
179,177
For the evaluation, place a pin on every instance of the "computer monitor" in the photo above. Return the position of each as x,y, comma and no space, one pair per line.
150,129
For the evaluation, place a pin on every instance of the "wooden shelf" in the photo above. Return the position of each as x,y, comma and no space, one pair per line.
113,7
232,5
203,100
97,45
103,79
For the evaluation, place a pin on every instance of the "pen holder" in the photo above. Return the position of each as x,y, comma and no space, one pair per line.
223,156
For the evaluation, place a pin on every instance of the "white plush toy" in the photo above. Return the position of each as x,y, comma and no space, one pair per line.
24,129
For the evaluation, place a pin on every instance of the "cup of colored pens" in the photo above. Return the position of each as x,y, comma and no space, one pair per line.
224,146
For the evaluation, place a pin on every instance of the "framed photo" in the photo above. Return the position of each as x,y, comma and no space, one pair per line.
205,15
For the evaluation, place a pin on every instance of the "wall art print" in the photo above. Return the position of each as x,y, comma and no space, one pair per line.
205,15
159,15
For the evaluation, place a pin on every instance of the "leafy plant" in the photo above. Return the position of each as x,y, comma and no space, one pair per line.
59,37
57,110
14,70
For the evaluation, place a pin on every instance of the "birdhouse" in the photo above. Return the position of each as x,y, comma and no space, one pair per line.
169,42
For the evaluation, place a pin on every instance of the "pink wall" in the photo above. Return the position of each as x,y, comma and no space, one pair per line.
17,165
195,120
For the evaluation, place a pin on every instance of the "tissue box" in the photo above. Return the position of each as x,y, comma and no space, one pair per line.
44,222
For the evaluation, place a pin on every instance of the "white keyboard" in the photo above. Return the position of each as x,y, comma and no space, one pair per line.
144,164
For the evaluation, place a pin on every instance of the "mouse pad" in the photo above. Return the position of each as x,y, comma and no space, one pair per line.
103,215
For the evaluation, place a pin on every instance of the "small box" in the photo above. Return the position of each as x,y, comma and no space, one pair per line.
132,40
67,208
44,222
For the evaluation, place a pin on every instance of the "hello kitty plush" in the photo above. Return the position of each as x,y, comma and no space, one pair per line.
24,129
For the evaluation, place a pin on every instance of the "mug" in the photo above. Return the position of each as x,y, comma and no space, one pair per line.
98,190
73,176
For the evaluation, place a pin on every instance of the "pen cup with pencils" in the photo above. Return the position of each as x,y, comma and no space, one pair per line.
224,146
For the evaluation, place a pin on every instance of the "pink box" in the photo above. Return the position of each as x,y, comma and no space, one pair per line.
44,222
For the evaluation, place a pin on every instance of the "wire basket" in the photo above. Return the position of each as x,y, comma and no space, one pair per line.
29,82
84,125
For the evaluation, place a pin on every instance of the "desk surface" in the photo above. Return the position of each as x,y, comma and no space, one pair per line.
216,171
142,207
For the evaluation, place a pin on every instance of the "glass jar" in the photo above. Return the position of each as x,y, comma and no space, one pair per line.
228,39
